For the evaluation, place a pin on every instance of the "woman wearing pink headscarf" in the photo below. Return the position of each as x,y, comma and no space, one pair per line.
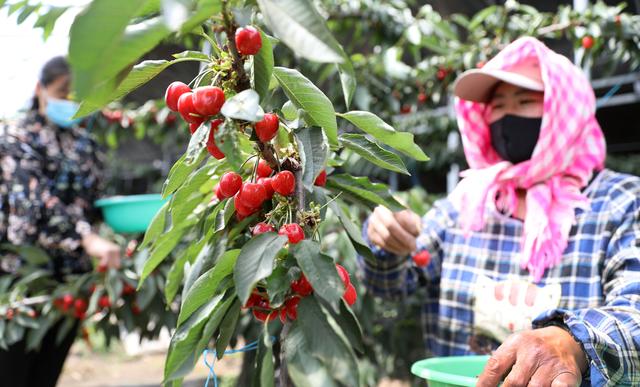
535,256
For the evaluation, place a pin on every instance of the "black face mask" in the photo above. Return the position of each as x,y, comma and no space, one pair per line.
515,137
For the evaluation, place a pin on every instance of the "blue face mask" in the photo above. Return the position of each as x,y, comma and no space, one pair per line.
60,111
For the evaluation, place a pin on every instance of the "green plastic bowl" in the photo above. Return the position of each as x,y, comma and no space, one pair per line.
451,370
130,214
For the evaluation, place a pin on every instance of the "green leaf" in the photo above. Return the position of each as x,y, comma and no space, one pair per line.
230,142
265,361
325,344
277,285
103,44
179,173
176,272
207,284
349,324
181,356
139,75
32,254
26,12
262,68
197,143
48,20
479,17
348,80
300,26
162,248
227,328
215,319
305,95
313,151
156,227
320,270
372,152
255,262
204,10
385,133
360,189
352,231
304,368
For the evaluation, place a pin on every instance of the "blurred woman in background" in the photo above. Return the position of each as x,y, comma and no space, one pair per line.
50,171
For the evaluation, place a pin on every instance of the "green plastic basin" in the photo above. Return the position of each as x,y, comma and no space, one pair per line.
450,371
130,214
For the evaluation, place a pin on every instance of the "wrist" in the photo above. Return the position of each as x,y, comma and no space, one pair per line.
573,344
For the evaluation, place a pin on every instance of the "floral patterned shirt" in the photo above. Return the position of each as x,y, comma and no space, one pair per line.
49,178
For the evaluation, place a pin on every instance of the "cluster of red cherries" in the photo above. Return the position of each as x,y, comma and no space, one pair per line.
261,308
78,306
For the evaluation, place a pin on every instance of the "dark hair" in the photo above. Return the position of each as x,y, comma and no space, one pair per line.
52,70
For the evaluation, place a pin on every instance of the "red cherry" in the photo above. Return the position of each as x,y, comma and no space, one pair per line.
617,19
92,288
127,289
350,295
422,258
187,110
261,228
174,91
284,183
10,314
422,98
301,286
80,315
267,128
264,170
67,302
230,184
254,298
252,195
266,182
404,109
241,208
441,74
344,275
219,194
207,100
170,119
135,309
480,64
102,268
131,248
283,315
293,231
321,180
211,142
248,40
587,42
80,305
32,313
291,305
104,302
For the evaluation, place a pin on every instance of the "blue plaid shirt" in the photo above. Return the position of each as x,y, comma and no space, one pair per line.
599,276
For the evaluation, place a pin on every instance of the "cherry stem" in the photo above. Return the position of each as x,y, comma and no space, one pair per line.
242,82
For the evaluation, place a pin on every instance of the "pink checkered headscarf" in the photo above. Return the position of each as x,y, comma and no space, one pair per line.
570,147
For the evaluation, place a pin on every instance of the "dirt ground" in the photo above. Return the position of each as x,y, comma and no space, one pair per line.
85,368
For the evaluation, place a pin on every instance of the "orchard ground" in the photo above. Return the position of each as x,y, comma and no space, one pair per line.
87,368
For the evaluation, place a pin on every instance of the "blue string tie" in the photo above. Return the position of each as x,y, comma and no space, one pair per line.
212,374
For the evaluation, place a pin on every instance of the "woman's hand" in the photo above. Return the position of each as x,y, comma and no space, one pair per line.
107,252
395,232
539,357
